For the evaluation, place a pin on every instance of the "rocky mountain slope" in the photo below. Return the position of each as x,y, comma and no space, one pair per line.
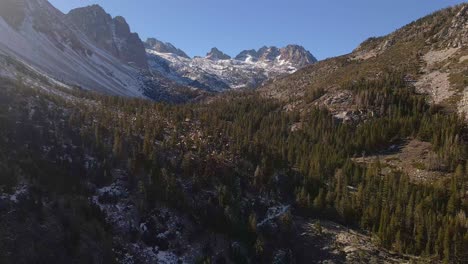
218,71
90,49
111,34
164,47
215,54
431,53
94,51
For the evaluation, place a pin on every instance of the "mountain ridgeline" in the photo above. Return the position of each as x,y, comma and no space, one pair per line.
110,34
39,44
360,158
217,71
95,51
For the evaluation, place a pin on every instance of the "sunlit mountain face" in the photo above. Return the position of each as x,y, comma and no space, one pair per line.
118,150
90,49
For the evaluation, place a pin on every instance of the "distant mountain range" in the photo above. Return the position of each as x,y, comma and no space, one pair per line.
218,71
90,49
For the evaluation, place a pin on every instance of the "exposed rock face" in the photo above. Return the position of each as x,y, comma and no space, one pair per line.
218,71
245,55
110,34
216,54
164,47
430,52
89,48
456,35
268,53
43,45
295,55
12,11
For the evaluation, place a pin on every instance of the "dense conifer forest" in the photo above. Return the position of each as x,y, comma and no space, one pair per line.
237,145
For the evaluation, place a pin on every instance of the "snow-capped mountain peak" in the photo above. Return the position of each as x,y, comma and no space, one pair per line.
248,56
164,47
293,55
218,71
89,48
216,54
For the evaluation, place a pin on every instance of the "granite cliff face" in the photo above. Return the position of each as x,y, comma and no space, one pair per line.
297,55
110,34
89,48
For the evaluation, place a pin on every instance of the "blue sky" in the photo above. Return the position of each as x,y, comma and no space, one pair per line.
327,28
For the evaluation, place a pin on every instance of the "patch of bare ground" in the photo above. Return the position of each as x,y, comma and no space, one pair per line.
329,242
364,55
414,158
437,85
434,81
343,106
436,56
337,101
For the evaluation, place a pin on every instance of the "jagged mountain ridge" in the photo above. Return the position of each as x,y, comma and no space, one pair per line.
42,39
218,71
164,47
110,34
91,49
294,54
215,54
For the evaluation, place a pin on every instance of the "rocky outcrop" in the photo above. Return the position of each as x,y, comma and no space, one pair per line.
216,54
110,34
218,71
164,47
268,53
456,35
294,55
297,56
247,55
